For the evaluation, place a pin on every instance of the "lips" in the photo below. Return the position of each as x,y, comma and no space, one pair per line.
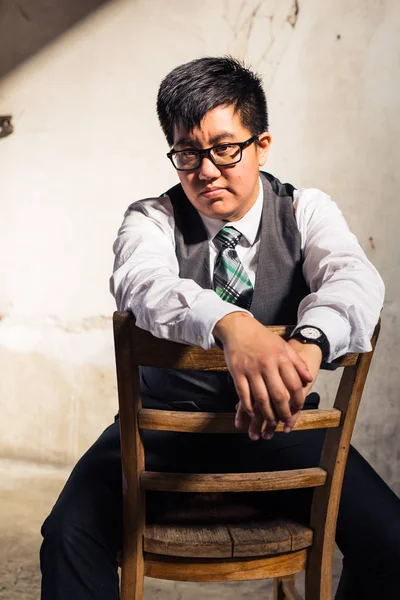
212,191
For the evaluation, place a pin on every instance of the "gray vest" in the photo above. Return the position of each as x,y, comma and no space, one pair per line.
278,291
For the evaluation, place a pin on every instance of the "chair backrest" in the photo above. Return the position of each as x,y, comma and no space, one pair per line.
135,347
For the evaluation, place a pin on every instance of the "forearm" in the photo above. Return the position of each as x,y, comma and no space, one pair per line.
170,307
347,292
146,280
345,310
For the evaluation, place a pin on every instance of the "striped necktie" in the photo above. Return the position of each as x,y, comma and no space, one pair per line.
231,281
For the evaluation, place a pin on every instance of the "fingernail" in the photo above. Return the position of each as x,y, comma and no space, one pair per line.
267,435
287,429
254,436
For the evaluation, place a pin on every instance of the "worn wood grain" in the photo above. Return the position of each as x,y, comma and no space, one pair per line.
257,538
132,457
198,422
164,567
233,482
325,503
269,537
206,541
260,539
302,536
151,351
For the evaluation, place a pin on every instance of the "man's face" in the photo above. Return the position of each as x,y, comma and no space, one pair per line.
224,193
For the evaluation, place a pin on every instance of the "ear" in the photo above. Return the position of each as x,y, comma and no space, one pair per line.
264,142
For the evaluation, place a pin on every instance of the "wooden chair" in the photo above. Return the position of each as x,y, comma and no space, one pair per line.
226,552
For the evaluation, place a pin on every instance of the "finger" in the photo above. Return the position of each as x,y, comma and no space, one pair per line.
292,382
291,423
268,432
279,396
255,427
300,365
242,419
243,391
261,400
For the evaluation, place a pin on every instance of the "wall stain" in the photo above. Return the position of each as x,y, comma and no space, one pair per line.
293,14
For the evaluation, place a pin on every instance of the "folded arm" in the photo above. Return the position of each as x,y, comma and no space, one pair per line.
273,377
146,279
347,292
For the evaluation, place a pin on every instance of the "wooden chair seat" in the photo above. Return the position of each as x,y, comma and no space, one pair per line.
247,539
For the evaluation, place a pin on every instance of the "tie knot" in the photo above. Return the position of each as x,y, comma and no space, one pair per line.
229,237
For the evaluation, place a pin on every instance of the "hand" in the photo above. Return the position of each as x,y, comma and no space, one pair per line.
312,356
269,375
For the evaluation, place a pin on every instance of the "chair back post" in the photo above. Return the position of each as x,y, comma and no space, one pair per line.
326,499
132,456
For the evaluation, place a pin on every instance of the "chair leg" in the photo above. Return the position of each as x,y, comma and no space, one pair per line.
132,577
284,588
318,576
278,590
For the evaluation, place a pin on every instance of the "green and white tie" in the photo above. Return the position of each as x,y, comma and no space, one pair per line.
231,281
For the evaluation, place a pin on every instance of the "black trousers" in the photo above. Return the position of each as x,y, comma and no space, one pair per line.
82,534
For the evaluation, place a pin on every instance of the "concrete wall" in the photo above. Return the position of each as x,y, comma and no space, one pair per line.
81,87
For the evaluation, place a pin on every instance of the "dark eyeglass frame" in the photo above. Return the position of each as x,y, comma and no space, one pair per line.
207,152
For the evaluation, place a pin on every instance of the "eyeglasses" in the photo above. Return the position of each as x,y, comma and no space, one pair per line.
223,155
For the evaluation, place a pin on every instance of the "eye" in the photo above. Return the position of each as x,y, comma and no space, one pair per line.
226,150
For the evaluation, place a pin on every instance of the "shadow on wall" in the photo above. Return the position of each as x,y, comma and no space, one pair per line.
27,26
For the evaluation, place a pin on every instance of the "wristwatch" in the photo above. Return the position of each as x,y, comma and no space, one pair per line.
313,335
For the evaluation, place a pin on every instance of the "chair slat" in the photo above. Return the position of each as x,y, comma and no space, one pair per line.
191,569
149,351
171,355
205,422
233,482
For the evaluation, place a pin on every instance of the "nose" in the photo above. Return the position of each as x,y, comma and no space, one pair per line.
208,170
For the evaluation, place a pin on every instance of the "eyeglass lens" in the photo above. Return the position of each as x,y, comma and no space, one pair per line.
224,154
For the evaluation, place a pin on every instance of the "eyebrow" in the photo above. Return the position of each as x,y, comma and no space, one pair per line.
215,139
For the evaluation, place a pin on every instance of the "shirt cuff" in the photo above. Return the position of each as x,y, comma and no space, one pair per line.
336,329
204,314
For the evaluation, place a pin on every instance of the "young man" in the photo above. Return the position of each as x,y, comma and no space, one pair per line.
211,262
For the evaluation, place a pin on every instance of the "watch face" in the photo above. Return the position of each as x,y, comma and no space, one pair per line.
310,333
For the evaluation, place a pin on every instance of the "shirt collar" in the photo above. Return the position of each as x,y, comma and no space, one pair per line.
248,225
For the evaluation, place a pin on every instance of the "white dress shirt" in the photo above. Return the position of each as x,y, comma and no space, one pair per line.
346,290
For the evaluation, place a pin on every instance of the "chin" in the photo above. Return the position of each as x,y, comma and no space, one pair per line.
220,210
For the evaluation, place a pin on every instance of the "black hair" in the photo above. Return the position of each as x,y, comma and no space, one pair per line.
191,90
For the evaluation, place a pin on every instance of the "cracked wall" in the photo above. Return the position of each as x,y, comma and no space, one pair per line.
85,125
